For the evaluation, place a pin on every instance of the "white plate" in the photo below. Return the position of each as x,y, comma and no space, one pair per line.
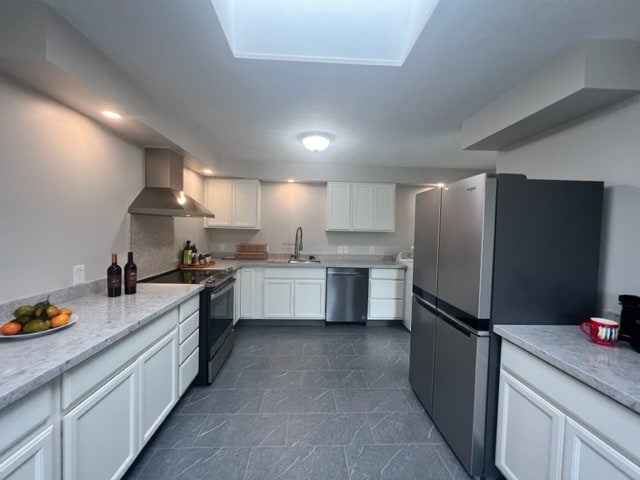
24,336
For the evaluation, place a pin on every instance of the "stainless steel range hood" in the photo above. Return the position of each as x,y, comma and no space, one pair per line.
162,194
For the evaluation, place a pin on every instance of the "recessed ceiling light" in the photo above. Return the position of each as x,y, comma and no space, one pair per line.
207,171
110,114
354,31
316,142
291,180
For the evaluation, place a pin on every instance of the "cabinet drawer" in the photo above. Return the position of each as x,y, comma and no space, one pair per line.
189,326
187,372
387,273
390,289
188,307
295,272
386,309
93,372
24,415
188,346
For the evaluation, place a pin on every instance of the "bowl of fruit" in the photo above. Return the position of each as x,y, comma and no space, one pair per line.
35,320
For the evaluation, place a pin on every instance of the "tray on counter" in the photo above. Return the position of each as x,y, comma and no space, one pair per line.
196,266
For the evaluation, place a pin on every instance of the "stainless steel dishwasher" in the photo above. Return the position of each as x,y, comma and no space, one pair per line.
347,295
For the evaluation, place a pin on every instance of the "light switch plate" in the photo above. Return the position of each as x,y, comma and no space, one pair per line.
78,274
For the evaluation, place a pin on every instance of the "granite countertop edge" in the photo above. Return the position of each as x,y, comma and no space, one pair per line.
31,363
612,371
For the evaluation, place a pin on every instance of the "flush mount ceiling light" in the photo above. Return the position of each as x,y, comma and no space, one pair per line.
333,31
315,142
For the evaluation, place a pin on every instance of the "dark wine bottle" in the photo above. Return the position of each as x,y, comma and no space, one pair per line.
114,277
130,275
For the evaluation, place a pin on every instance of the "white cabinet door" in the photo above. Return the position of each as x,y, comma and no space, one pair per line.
251,291
338,206
235,203
384,210
588,457
158,380
309,298
218,197
100,434
278,298
33,460
246,203
529,433
363,207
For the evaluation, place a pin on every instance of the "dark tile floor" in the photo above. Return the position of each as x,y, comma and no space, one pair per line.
306,403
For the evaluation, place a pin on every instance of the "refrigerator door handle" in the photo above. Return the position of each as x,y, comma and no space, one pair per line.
423,303
460,326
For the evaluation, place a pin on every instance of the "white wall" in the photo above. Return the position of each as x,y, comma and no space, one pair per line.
285,206
605,146
65,186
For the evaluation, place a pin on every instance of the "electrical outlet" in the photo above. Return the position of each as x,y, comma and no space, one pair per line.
345,249
340,249
372,249
78,274
222,247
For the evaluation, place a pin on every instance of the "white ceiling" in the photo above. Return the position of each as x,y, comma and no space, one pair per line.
470,52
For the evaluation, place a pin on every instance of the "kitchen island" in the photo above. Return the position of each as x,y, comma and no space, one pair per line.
85,400
568,408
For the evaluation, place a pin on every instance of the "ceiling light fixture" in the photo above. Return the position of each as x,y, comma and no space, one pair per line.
208,171
316,142
110,114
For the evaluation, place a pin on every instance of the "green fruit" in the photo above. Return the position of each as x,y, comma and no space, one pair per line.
24,310
43,304
35,325
24,319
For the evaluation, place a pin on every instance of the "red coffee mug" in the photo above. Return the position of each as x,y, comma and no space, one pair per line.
601,330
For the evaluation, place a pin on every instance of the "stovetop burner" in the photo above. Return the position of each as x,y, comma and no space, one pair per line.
209,278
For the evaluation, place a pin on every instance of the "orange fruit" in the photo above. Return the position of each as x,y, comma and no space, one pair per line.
66,310
59,320
10,328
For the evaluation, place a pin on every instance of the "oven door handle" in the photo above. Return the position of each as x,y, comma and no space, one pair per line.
219,293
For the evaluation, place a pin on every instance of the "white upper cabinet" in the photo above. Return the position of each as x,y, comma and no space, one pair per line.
339,206
361,207
235,203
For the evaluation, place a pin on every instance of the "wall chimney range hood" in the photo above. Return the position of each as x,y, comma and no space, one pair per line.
162,194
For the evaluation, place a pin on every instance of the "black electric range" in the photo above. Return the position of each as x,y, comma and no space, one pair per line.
216,315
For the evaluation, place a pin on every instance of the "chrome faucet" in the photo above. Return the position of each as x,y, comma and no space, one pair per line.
298,243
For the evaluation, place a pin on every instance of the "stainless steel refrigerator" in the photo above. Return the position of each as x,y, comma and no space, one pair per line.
493,249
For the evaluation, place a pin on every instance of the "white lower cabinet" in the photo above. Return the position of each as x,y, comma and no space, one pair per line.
551,426
34,458
278,298
100,435
310,298
251,280
294,293
525,415
158,378
386,294
588,457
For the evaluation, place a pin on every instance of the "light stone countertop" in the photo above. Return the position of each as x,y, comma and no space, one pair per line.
272,263
613,371
29,363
